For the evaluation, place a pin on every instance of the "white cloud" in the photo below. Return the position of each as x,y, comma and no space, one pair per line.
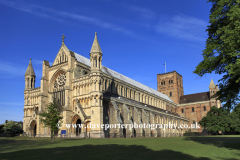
11,69
8,69
183,27
143,12
62,16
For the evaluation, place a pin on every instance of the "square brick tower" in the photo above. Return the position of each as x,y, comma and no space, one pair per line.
171,84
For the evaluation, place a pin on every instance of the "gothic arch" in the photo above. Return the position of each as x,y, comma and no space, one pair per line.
54,77
75,118
33,128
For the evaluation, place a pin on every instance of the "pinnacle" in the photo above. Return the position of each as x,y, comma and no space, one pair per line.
30,70
95,46
212,85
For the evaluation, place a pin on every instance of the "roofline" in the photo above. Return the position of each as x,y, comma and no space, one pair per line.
169,73
129,83
194,93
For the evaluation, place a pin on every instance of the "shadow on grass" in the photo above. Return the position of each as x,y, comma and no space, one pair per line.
28,143
227,142
105,152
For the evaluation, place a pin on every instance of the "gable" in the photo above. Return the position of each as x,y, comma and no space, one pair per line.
62,55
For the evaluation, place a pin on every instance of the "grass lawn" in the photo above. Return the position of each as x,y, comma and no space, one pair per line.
194,148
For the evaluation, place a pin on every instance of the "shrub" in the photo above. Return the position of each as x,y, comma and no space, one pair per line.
12,128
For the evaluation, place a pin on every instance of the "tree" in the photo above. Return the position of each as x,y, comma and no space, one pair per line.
222,50
51,117
11,127
217,119
235,119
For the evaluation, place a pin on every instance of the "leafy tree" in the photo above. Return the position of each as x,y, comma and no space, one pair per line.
51,117
235,119
222,50
217,119
11,127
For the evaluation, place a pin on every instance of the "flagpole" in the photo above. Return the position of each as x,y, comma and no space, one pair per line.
165,67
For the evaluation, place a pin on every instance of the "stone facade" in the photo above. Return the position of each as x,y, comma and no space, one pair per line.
194,106
91,94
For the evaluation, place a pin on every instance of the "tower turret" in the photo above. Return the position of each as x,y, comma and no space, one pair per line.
212,88
96,89
30,77
96,56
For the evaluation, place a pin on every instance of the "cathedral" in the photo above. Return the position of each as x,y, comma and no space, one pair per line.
93,95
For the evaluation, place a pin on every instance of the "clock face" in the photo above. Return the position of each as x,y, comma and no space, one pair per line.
61,79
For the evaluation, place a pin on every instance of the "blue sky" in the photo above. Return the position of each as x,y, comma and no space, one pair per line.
136,37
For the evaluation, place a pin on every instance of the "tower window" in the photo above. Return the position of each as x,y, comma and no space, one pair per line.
182,110
170,94
192,109
204,108
171,81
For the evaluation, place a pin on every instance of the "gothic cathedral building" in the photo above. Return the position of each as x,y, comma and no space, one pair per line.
90,94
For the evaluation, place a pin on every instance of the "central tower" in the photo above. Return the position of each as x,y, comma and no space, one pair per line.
171,84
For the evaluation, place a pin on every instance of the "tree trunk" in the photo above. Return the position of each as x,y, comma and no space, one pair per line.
52,135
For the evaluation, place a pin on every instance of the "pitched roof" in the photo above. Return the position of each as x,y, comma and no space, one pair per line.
30,70
119,76
197,97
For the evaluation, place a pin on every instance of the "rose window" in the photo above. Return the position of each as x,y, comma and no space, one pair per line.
61,79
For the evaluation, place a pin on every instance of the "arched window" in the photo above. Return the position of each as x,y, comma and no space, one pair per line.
182,110
204,108
192,109
170,94
169,81
59,89
105,85
95,59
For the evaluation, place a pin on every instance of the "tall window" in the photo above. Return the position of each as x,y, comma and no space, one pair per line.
182,110
170,94
192,109
59,89
105,85
95,61
204,108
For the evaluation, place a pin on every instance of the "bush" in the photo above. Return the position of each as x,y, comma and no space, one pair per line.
12,128
1,128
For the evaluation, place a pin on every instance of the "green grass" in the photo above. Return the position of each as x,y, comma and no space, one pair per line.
193,148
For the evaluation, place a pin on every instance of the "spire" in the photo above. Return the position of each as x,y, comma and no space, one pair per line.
95,46
212,85
30,70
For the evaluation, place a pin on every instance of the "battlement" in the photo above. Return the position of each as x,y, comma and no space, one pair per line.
169,73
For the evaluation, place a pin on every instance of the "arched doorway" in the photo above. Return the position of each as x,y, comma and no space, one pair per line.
76,121
78,129
33,130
